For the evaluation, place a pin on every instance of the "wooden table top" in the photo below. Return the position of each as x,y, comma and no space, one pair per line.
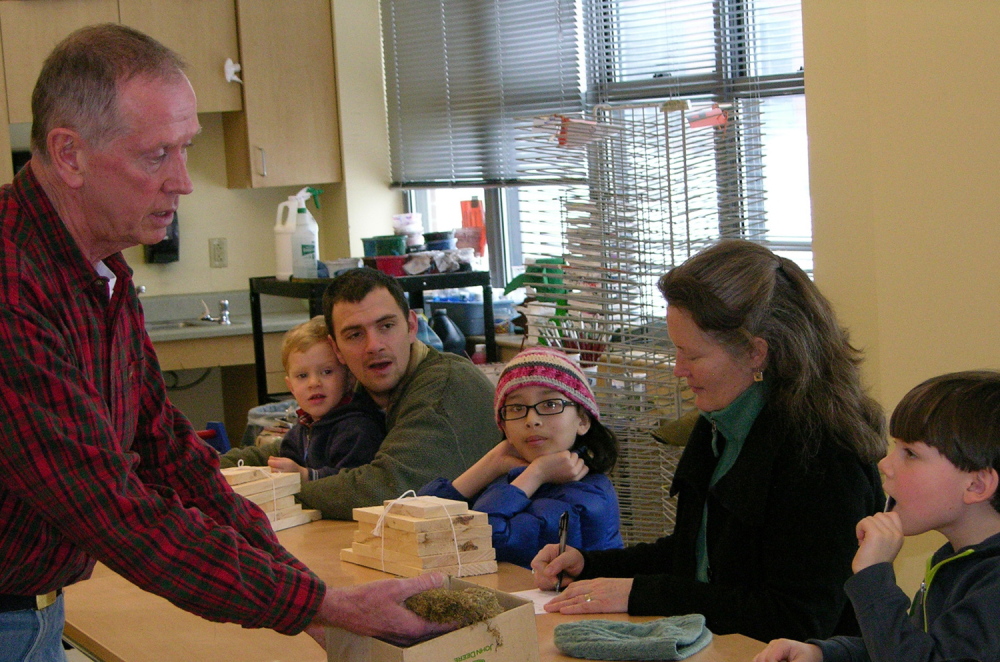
116,621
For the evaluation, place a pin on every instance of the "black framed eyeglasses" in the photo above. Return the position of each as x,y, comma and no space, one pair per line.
543,408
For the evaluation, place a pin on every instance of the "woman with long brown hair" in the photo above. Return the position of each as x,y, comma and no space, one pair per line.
777,472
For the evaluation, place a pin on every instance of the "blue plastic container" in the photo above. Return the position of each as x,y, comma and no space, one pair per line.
442,244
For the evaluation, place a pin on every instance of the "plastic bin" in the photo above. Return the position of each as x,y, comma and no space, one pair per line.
388,264
272,416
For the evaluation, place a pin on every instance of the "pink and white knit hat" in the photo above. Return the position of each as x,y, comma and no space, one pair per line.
545,366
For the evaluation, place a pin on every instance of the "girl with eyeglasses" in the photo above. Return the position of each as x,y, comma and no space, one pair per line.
553,460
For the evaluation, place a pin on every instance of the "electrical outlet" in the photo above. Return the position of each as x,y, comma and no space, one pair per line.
218,255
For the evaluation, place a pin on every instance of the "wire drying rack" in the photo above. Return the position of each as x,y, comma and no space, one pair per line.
635,190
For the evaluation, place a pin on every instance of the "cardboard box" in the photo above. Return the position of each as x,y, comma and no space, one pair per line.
510,637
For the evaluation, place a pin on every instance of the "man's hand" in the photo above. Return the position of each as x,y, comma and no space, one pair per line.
880,537
376,610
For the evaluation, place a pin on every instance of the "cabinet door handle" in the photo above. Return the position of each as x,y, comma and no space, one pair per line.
263,162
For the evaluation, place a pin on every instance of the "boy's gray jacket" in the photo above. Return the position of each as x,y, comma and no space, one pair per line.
962,611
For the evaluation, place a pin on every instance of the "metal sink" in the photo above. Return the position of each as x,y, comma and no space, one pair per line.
181,324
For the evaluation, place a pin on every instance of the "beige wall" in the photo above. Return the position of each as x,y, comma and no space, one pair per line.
905,187
244,217
364,199
904,180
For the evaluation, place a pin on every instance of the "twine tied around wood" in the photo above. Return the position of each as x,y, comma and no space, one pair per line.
410,494
267,473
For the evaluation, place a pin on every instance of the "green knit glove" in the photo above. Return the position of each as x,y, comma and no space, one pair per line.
672,638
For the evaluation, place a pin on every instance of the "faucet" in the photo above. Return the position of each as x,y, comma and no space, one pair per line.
223,317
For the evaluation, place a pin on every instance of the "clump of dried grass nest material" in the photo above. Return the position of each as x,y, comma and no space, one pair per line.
465,607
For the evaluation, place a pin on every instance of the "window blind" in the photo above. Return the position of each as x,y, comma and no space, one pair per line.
744,56
722,49
460,73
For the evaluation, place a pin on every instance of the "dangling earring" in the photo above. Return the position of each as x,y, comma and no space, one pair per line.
758,376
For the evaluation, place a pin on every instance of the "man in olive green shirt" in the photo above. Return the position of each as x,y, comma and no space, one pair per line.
438,406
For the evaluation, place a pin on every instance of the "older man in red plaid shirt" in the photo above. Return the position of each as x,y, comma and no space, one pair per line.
95,462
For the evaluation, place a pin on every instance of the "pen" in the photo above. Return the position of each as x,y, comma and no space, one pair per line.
563,530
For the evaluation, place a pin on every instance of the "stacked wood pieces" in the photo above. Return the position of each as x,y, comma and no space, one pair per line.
420,535
274,492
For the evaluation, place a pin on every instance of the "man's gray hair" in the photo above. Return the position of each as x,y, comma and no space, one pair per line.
78,85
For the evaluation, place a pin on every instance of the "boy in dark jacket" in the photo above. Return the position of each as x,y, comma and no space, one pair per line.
337,429
942,474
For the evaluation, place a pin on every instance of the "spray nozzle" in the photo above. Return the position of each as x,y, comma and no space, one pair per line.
302,196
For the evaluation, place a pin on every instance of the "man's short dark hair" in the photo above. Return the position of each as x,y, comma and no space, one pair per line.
354,285
959,415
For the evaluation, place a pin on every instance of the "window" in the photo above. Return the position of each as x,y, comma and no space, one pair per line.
618,136
462,76
744,55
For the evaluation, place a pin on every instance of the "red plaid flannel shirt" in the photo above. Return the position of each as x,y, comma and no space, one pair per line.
95,463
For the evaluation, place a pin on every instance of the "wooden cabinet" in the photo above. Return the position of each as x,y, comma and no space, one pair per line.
29,29
281,128
288,131
203,32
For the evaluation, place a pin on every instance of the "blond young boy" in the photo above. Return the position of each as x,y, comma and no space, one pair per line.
337,428
941,475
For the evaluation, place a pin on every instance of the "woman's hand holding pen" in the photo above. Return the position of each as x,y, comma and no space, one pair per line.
548,564
589,596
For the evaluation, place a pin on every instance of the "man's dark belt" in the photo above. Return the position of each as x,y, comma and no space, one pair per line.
21,602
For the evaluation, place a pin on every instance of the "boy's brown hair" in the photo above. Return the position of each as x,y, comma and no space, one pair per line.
302,338
959,415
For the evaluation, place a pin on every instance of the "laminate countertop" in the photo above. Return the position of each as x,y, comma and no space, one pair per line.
176,317
163,331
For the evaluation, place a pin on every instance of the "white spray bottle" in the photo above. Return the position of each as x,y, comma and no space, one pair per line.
296,237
